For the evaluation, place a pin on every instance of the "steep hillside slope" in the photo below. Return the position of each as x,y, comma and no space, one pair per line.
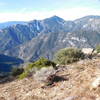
81,84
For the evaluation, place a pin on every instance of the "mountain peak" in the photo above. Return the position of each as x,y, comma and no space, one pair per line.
56,18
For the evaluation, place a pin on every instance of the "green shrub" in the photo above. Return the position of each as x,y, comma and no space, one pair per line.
16,71
98,48
68,55
23,75
42,62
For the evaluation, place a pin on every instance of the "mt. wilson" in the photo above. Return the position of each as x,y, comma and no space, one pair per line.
38,38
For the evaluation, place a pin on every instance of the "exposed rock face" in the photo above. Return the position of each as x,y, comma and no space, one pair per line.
42,74
80,77
87,50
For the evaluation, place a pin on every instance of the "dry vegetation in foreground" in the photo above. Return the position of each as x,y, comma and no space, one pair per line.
79,84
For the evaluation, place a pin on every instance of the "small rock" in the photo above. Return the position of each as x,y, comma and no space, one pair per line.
98,98
96,83
71,98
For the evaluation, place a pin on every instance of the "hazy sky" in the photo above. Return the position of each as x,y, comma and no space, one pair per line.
25,10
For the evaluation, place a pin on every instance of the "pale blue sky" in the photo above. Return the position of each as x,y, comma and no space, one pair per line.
39,9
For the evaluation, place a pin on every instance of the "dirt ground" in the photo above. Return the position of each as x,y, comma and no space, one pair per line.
77,86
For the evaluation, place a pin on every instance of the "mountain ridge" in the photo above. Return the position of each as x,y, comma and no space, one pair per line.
44,37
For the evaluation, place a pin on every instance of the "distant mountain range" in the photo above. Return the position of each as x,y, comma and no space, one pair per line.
10,23
37,38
